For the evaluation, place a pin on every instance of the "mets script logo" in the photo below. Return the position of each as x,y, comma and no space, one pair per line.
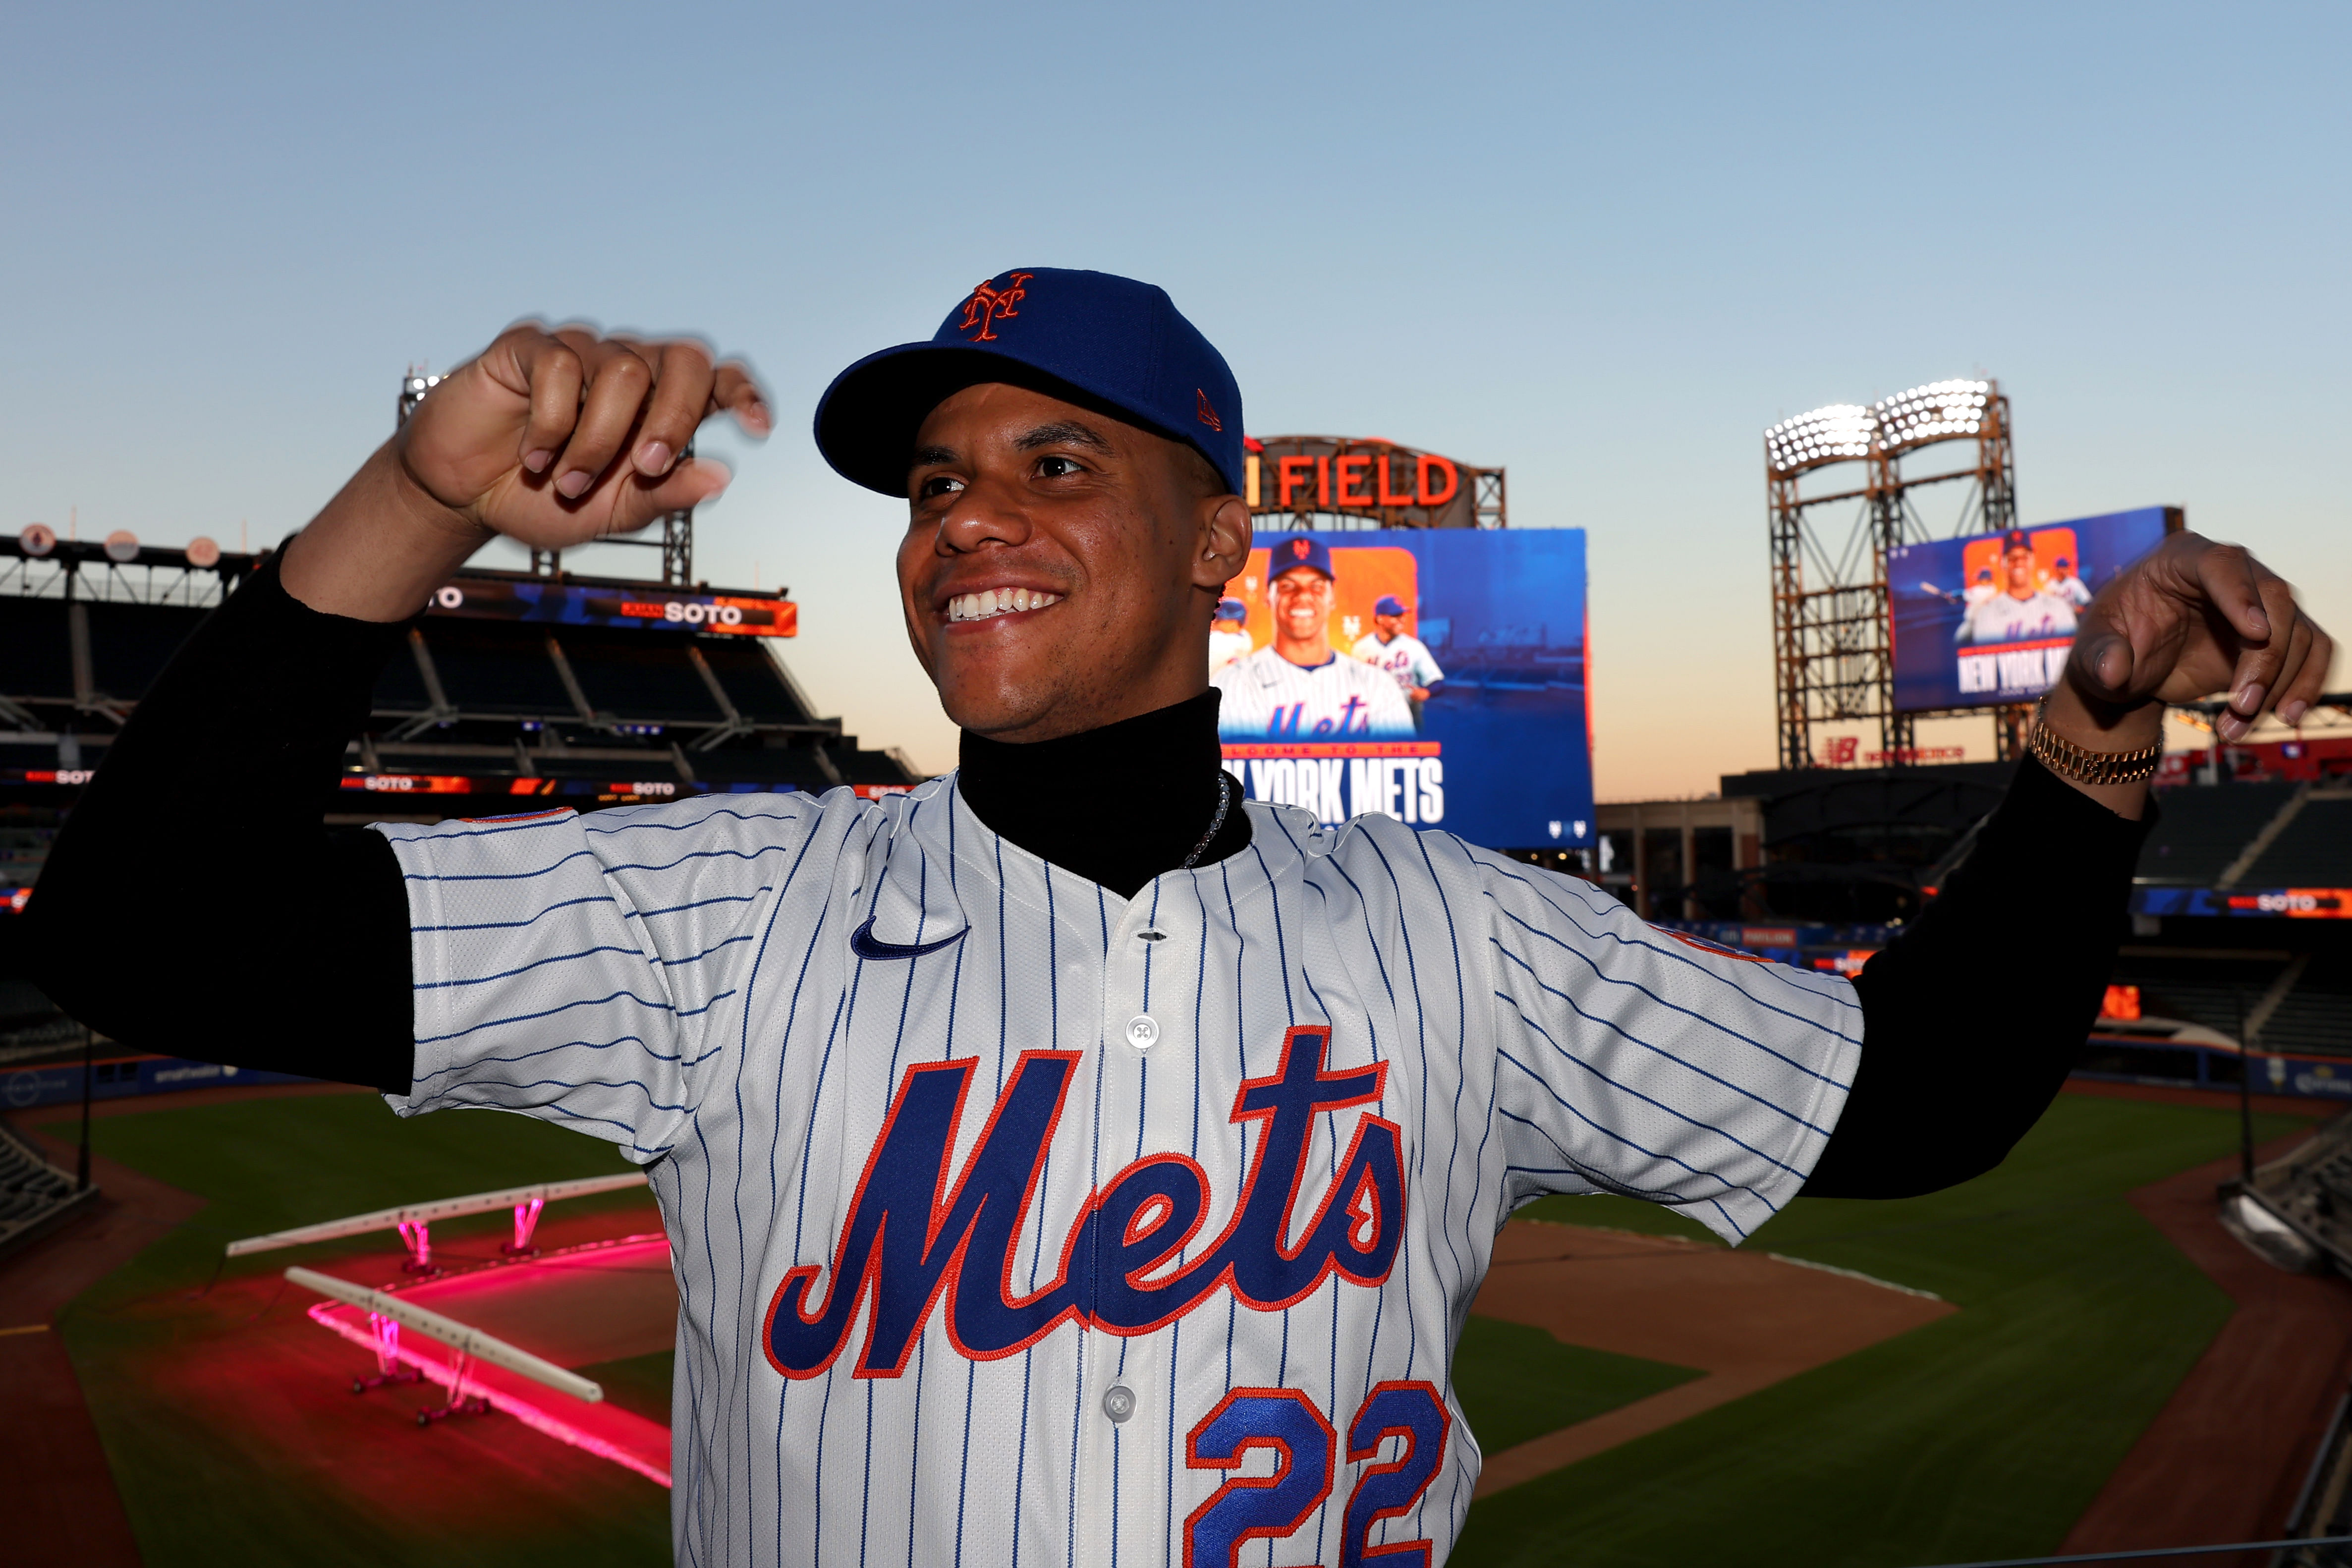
915,1240
989,304
1208,415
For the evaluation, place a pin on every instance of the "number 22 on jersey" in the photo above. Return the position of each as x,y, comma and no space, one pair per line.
1285,1421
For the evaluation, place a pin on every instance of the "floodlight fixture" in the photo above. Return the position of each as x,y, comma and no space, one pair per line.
413,388
1830,435
1939,411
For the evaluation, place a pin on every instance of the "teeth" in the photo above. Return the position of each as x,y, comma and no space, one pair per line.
990,602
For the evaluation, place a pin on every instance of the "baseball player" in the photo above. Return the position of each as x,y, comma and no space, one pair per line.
1229,637
2023,610
1064,1162
2066,585
1406,658
1297,686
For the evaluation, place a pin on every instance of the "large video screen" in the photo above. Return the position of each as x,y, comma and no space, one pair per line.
1437,675
1990,619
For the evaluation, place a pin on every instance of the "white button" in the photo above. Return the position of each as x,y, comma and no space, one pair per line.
1142,1031
1118,1402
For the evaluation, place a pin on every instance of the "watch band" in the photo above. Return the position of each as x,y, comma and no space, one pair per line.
2069,760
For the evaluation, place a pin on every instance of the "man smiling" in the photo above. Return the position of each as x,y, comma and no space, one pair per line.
1297,686
1066,1159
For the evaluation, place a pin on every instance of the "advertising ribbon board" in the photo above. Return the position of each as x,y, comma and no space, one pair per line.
600,604
1986,620
1343,629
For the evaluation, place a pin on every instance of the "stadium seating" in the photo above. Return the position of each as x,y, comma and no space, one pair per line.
2315,1017
2198,990
2313,850
34,1194
2201,830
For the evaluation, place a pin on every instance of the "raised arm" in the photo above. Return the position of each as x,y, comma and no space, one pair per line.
1972,1020
194,901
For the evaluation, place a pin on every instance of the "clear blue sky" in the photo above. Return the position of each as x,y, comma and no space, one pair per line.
1603,247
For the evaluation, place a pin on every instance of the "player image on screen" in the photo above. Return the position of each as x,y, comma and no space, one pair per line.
1406,658
1229,637
2066,585
1981,589
1066,1162
2023,610
1298,686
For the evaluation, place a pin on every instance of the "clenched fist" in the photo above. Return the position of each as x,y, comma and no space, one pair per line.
552,437
2193,618
558,438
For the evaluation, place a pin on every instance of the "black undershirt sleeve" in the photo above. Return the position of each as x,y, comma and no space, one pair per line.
195,903
1973,1018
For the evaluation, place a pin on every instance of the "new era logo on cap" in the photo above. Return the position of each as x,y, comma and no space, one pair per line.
1090,338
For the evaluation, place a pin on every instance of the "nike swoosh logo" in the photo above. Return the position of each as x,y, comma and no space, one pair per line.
865,945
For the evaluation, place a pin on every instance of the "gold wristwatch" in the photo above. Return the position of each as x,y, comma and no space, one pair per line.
2069,760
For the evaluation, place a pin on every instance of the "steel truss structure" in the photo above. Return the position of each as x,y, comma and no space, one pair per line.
1832,650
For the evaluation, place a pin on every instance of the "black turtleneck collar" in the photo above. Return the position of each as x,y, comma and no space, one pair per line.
1116,805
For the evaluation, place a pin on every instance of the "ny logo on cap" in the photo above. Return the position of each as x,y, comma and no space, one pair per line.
1299,548
1208,415
990,304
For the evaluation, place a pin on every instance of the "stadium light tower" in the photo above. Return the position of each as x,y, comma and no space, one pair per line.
676,541
1833,656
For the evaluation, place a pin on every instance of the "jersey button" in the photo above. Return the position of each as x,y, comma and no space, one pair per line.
1143,1031
1118,1402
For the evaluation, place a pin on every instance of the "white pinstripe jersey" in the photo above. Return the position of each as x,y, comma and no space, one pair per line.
1017,1223
1267,698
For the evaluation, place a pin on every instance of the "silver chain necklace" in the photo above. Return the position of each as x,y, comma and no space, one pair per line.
1224,803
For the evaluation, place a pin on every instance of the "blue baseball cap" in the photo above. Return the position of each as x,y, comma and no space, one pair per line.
2015,539
1290,553
1101,342
1389,605
1231,610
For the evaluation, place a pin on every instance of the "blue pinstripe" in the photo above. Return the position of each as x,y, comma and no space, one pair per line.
698,1001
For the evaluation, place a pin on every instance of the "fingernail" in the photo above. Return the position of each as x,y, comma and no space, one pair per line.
2292,712
2230,727
570,486
654,459
759,417
2248,698
2258,623
537,461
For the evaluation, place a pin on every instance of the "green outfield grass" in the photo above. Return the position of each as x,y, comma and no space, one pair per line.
1982,1435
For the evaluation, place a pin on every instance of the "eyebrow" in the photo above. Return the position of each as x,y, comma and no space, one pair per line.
1065,433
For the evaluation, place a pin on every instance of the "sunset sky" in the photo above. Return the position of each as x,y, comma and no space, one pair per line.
1600,247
